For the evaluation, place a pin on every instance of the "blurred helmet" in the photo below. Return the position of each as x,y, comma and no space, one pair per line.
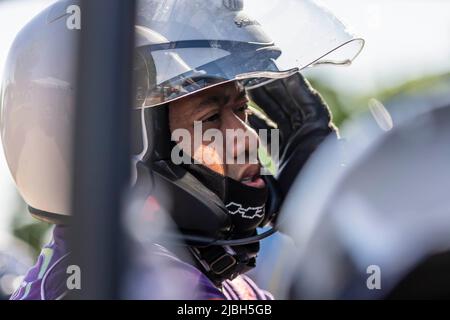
37,109
373,221
38,104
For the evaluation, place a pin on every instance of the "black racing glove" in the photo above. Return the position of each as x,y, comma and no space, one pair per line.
303,118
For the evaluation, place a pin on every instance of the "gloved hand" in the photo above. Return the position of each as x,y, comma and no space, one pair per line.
303,118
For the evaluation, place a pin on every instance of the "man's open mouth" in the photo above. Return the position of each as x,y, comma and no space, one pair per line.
254,181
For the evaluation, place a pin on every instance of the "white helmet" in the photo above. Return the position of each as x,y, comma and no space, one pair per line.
183,46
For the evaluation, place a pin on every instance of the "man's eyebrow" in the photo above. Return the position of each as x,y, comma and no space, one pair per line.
221,99
211,99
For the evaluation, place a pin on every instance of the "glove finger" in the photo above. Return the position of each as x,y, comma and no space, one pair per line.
295,98
307,99
280,93
271,106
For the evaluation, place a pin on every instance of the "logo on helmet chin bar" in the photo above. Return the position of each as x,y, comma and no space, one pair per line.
246,213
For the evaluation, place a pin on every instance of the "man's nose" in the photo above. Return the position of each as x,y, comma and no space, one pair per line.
241,141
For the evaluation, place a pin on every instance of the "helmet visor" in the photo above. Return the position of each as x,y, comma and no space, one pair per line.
307,32
201,45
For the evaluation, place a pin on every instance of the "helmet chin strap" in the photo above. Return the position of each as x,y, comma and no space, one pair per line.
205,241
222,259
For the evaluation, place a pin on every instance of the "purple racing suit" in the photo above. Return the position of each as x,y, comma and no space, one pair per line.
47,279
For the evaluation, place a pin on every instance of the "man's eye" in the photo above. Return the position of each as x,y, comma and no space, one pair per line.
213,118
244,108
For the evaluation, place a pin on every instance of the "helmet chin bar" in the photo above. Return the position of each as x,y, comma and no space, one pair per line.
220,252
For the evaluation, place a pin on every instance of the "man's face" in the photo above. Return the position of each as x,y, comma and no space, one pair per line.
222,108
